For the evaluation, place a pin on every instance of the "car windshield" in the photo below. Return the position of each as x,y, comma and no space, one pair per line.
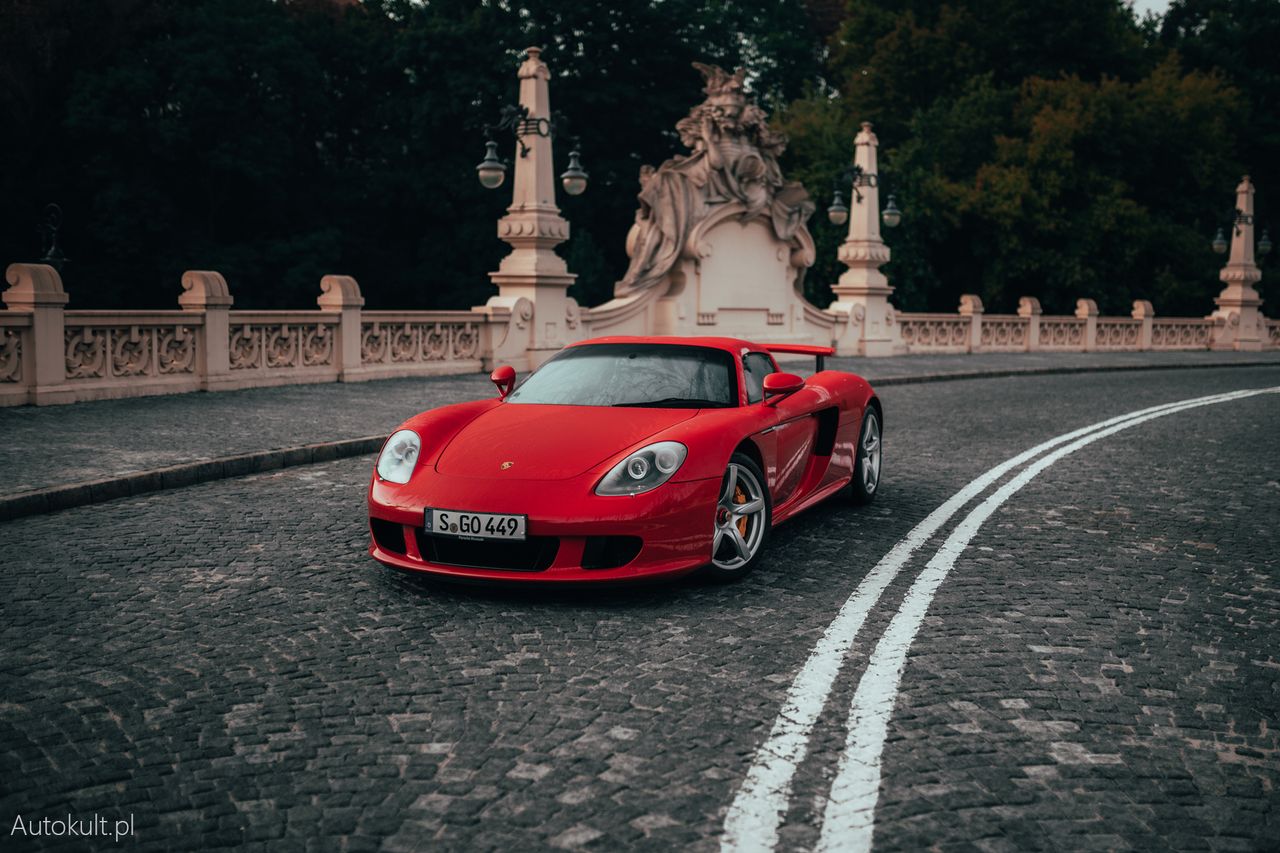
641,375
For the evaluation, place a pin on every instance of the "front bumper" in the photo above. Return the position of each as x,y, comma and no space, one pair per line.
573,534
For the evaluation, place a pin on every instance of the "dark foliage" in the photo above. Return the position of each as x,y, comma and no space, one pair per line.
276,142
1055,147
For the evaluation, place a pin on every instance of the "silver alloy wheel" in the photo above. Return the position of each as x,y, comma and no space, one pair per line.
740,519
869,450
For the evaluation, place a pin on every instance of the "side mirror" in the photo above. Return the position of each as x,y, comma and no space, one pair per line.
779,385
505,378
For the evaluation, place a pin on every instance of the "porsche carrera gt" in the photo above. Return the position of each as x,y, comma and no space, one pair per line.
624,458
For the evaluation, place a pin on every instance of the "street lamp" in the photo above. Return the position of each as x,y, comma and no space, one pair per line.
1220,242
1239,219
838,212
574,178
492,171
892,215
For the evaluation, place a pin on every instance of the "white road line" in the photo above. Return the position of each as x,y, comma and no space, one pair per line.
752,821
849,819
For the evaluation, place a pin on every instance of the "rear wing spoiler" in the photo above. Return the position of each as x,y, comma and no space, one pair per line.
819,353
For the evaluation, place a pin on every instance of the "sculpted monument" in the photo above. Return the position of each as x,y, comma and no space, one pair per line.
735,158
720,243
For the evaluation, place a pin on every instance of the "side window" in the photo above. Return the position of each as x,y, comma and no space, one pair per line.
755,367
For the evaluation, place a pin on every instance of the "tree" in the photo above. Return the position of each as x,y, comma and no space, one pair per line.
1055,147
1036,149
280,141
1237,39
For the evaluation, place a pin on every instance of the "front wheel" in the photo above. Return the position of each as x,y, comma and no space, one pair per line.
866,471
742,521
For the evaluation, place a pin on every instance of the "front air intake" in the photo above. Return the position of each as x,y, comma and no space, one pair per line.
534,554
610,552
388,535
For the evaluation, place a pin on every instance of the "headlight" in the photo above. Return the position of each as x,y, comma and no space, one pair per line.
399,455
643,470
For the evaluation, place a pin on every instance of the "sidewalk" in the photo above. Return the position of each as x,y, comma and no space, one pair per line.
58,446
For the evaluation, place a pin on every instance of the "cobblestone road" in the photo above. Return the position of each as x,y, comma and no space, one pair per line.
1101,669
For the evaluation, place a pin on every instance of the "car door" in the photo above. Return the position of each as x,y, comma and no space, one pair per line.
790,432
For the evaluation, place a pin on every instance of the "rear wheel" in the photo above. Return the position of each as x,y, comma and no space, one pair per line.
866,471
742,521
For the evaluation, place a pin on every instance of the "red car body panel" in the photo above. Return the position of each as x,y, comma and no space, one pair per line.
804,442
545,438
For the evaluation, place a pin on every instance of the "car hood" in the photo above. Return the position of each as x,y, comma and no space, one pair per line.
549,442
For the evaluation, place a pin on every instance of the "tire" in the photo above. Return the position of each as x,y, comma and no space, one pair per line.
869,455
738,537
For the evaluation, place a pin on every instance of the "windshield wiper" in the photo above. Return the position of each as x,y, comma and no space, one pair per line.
676,403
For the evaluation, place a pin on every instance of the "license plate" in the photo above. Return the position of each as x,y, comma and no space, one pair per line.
475,525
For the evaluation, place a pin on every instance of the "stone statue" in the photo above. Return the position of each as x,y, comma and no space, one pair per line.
734,159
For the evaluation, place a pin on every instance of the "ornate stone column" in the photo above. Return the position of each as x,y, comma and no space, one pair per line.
533,227
1145,314
1029,307
1239,322
971,307
37,289
862,293
340,294
206,292
1087,310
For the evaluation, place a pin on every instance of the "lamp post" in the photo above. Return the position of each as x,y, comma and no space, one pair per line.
1238,219
862,293
838,212
492,171
1240,324
533,226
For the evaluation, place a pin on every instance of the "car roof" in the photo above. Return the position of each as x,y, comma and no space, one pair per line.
733,345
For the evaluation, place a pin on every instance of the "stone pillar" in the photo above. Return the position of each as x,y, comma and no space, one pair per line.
37,288
533,226
971,307
1087,310
1029,307
1240,324
206,291
1143,311
340,294
862,293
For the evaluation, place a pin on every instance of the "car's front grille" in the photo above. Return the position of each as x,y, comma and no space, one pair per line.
534,554
388,535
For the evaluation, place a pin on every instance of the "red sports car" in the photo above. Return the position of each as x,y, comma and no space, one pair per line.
624,458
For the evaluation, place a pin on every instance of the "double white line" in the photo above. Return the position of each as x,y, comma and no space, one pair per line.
849,819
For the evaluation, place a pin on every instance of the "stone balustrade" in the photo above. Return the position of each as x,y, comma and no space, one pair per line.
51,355
970,330
935,332
1173,333
424,339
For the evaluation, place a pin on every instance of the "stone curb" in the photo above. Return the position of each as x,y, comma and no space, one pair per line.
41,501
